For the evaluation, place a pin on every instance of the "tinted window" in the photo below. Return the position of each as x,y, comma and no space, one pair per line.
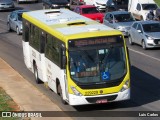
25,31
53,50
19,16
134,25
154,27
124,17
34,41
107,17
139,27
149,6
138,7
90,10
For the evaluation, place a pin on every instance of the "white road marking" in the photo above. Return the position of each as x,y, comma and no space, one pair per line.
144,54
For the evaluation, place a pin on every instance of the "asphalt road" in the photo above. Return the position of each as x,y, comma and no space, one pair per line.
145,75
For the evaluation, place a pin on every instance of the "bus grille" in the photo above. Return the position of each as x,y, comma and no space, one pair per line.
108,98
103,85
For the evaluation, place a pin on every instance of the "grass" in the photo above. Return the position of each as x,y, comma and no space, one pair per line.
158,2
7,104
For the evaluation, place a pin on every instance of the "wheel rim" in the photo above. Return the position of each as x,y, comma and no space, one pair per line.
35,73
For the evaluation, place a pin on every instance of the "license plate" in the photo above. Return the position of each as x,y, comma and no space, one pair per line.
158,42
101,101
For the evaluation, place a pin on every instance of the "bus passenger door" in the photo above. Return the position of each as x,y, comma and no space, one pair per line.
42,62
63,67
25,43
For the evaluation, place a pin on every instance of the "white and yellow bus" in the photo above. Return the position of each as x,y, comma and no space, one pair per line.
82,60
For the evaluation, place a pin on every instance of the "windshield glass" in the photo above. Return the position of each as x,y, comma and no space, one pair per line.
155,27
149,6
123,18
97,64
90,10
20,16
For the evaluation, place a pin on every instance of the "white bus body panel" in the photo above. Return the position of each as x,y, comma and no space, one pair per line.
26,54
54,73
40,63
81,100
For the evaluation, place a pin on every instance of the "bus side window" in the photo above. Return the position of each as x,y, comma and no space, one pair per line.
42,42
48,50
25,31
56,51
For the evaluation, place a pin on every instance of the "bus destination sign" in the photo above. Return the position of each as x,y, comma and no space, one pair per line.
95,41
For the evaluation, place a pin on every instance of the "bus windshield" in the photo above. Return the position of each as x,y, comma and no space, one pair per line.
96,64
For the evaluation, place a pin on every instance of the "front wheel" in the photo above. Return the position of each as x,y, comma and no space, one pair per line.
60,94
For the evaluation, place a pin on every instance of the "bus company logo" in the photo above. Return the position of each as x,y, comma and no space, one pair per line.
101,91
6,114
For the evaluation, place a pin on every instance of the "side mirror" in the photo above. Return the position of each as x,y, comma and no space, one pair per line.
139,31
64,62
63,58
14,19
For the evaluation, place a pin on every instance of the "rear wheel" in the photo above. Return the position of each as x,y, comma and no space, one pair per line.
36,75
60,94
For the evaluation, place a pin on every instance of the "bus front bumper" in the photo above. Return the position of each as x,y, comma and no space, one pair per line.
83,100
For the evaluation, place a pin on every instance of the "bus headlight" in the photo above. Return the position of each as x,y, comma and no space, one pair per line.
120,28
125,86
75,91
54,5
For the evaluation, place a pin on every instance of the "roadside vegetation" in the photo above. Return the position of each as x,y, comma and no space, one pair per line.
158,2
7,104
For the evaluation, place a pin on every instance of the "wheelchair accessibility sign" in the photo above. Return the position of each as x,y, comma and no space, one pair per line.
105,76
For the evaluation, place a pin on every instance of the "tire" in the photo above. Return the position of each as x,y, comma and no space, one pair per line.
144,45
17,31
60,94
130,40
36,75
9,27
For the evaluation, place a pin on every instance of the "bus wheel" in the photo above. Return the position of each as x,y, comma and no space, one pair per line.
36,74
60,94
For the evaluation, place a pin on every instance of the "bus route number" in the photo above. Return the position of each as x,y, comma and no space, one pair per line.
91,93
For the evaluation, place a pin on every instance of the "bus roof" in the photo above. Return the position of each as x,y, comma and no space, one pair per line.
65,23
